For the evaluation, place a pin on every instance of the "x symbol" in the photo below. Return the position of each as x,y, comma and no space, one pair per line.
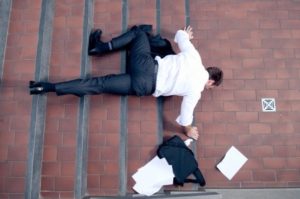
268,104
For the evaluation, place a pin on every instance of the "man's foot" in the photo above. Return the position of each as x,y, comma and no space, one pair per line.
94,52
35,88
100,48
94,37
38,88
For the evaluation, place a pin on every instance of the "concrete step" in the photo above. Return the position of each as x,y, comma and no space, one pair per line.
144,133
107,153
19,35
170,195
267,193
65,144
5,9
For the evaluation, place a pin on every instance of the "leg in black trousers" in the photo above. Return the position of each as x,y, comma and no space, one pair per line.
138,80
113,84
141,65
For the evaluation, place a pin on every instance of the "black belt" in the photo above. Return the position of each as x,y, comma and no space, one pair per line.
154,76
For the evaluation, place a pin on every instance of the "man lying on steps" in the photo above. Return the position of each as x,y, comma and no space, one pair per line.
181,74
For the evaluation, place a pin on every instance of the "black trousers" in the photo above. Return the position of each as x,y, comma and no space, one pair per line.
139,78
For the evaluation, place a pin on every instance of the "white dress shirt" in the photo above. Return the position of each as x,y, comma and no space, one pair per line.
182,74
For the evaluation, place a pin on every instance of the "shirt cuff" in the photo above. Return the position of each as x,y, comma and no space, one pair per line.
180,34
184,122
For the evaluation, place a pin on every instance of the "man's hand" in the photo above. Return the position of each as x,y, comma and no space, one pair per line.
192,132
189,31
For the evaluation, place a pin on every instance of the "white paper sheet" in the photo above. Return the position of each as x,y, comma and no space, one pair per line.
232,162
155,170
151,177
146,190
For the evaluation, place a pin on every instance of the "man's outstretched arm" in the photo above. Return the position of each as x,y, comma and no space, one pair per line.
185,119
183,37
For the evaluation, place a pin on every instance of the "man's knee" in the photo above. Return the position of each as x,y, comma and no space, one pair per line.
147,28
138,31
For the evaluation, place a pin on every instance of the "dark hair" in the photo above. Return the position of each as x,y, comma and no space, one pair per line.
215,74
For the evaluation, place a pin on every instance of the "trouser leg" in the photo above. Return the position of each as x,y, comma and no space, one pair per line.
111,84
116,43
125,39
141,65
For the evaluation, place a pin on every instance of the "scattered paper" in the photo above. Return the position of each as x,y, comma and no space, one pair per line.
148,190
152,176
232,162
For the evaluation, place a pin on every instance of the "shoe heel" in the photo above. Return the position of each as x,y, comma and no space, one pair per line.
93,52
31,83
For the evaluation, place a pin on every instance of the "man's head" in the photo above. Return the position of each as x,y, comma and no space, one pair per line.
215,77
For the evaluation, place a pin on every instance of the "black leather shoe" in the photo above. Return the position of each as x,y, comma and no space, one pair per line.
97,35
37,91
99,49
36,88
93,38
94,52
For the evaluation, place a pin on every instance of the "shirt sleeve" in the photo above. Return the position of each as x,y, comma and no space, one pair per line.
183,41
188,105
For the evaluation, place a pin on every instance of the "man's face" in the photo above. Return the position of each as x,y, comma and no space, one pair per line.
210,84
